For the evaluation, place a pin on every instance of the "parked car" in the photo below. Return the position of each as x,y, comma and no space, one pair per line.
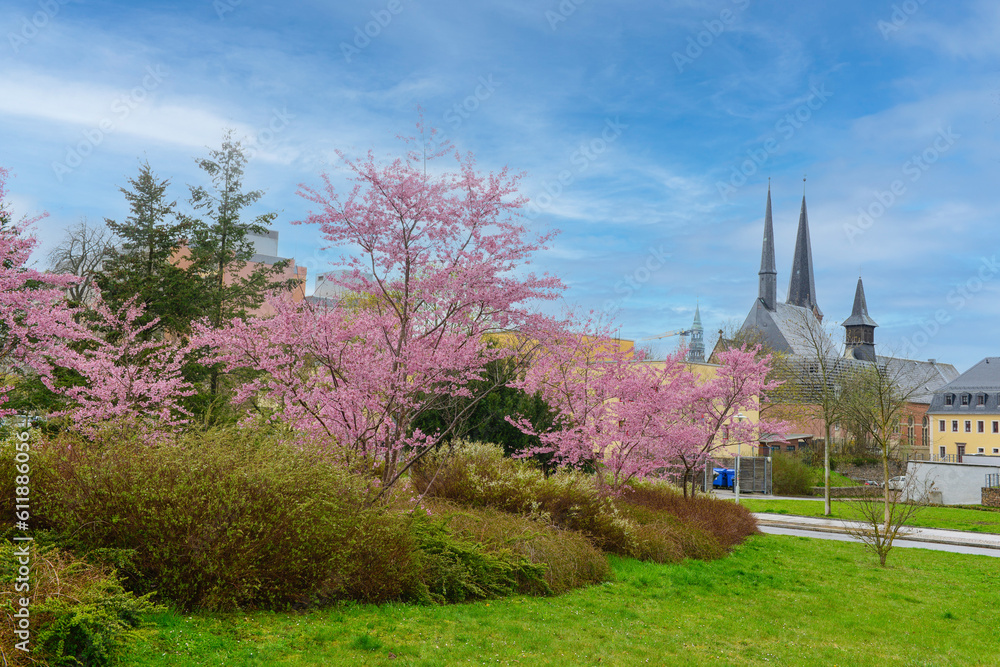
871,482
897,483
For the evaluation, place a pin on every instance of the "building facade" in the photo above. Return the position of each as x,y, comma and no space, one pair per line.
965,414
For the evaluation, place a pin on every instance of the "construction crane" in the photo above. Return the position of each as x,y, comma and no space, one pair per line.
668,334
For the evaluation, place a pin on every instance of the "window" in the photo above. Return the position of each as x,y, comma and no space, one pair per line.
996,451
775,449
980,450
949,399
925,432
941,425
968,426
942,452
965,399
954,426
790,448
980,427
909,430
980,400
996,427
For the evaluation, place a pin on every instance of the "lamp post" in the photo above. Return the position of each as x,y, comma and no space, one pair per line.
739,450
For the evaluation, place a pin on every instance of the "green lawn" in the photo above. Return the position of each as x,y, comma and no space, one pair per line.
955,518
777,600
836,479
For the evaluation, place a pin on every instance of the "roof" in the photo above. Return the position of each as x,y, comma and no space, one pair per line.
984,376
859,314
922,378
786,329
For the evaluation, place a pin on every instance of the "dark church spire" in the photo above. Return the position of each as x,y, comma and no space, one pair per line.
860,328
768,290
802,286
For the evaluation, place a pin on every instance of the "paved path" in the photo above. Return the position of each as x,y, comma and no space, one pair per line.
940,536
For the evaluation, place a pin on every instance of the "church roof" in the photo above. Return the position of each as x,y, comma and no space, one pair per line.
787,329
859,314
802,285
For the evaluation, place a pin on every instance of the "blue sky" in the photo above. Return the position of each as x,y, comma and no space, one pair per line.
647,132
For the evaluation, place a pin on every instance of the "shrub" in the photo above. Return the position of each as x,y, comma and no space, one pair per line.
227,518
569,558
479,475
726,522
453,569
789,476
80,614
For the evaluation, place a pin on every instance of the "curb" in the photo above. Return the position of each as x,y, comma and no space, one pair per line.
912,537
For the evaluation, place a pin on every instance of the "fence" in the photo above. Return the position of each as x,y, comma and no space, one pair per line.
992,480
755,474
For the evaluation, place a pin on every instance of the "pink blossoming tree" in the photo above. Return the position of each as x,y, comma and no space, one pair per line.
125,379
32,307
632,418
436,272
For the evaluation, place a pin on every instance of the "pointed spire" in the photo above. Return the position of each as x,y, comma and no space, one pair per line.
696,350
768,290
860,339
802,285
859,314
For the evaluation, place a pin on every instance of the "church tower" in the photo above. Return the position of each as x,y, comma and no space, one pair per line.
802,286
696,351
768,289
860,329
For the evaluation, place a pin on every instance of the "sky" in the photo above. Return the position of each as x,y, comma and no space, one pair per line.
647,133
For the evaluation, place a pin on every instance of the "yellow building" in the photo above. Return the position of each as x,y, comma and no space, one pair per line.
965,414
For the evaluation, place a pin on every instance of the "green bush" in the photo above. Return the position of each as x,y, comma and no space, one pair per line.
479,475
789,476
224,519
570,560
453,569
80,613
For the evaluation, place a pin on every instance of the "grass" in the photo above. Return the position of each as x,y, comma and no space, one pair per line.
775,600
836,479
954,518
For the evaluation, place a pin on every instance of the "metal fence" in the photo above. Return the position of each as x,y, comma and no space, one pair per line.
755,474
993,480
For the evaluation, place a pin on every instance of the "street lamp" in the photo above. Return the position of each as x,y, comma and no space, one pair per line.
739,450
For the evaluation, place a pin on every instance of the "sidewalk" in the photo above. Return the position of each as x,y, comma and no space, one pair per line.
962,538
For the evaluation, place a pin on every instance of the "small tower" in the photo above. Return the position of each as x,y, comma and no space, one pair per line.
768,289
860,329
696,351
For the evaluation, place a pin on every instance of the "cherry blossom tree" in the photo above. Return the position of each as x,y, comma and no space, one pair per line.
438,288
32,304
632,418
125,377
717,406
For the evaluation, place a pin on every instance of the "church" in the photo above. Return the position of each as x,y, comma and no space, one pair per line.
794,328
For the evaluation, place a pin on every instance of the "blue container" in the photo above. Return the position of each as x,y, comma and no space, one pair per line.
723,477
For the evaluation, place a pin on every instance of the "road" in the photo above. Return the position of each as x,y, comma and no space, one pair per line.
954,541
